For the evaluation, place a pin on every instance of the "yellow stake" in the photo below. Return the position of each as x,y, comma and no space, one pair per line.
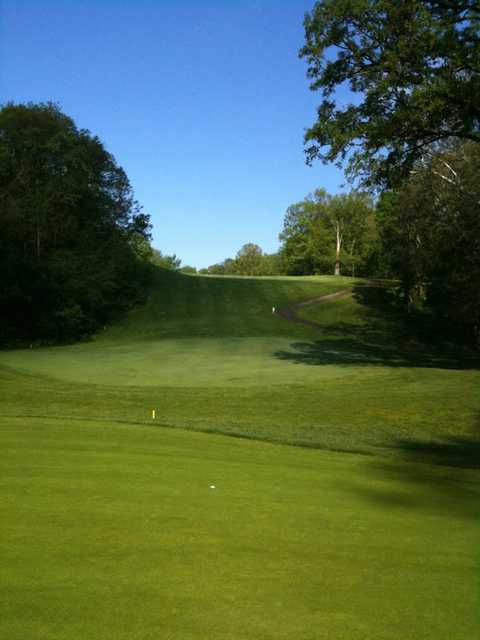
153,414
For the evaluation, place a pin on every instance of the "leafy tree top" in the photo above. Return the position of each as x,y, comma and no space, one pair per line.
73,240
415,67
61,176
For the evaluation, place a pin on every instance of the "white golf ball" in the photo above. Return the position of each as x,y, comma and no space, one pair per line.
212,486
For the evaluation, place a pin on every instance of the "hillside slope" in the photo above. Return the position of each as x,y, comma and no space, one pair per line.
183,306
207,353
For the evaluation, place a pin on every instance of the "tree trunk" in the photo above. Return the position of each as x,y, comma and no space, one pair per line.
337,253
408,296
353,259
476,333
37,240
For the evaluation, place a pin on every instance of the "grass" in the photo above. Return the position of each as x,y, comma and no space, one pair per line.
370,531
112,531
208,354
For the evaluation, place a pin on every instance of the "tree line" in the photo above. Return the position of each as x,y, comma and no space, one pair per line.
322,234
430,236
250,260
410,134
74,243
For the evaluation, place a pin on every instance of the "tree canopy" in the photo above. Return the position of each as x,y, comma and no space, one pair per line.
436,252
164,261
250,260
414,67
325,234
72,236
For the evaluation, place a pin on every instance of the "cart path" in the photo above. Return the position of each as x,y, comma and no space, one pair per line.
290,312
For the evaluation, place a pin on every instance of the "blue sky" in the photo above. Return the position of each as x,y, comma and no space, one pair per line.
203,104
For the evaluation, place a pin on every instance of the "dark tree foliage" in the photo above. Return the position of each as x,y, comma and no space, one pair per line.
71,234
414,66
164,261
437,254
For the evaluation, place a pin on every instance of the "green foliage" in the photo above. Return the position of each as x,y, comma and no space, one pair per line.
249,261
397,221
305,249
325,233
430,230
72,238
415,67
414,128
271,265
217,269
164,261
188,269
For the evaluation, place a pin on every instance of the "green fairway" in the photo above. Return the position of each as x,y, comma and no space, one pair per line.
112,530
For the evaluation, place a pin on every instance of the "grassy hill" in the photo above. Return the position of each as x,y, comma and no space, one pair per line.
207,353
112,527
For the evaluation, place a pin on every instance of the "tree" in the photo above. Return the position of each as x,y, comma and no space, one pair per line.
248,260
305,245
437,254
72,237
346,218
229,266
325,229
398,222
271,265
164,261
414,66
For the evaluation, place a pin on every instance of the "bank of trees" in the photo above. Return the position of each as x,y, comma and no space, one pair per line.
430,235
164,261
74,243
411,134
326,234
322,235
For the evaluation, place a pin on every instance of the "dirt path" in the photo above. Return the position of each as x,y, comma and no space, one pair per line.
290,313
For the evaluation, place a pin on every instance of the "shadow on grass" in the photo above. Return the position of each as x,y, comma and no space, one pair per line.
461,451
426,488
380,336
439,476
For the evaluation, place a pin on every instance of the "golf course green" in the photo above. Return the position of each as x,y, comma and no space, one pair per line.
347,504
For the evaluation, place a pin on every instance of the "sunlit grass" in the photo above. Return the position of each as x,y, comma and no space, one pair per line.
111,529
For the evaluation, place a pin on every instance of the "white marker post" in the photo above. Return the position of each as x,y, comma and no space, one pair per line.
153,414
273,309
